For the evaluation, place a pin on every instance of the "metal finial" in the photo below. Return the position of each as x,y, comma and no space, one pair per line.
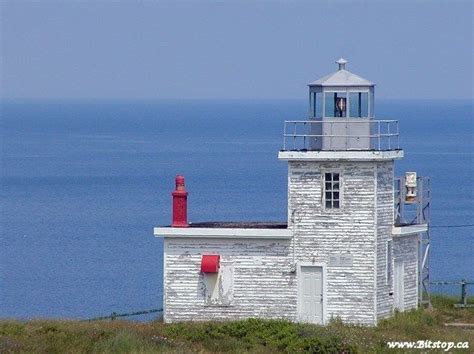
342,63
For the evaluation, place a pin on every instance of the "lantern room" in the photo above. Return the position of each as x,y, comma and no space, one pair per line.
341,94
341,117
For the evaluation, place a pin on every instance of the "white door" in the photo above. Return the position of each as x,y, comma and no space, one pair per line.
311,294
398,285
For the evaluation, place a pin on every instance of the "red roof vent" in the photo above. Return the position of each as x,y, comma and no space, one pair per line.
210,263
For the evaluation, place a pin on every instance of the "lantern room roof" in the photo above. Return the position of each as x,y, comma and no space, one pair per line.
342,77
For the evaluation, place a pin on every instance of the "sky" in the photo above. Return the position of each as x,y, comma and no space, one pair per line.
232,49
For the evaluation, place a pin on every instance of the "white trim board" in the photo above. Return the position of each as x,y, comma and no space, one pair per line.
201,232
409,229
164,299
323,155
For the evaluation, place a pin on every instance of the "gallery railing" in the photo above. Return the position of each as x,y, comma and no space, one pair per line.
341,134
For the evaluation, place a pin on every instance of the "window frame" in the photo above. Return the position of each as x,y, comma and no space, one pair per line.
316,103
348,91
359,94
332,97
332,190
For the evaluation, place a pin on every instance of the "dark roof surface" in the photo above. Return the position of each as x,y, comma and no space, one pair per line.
401,224
240,224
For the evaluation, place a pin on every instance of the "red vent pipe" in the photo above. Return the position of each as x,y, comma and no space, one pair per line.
180,204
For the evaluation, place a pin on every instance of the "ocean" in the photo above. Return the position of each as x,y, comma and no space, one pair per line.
85,182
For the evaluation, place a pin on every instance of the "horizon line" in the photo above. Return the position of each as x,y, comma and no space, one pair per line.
212,99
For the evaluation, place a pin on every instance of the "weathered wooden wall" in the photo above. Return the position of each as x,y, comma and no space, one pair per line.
263,285
406,249
350,230
263,271
385,210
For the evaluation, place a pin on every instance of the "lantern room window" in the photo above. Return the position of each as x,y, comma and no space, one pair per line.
332,190
335,104
359,104
316,104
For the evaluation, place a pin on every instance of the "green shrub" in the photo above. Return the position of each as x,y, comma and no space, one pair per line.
251,335
123,342
11,329
279,335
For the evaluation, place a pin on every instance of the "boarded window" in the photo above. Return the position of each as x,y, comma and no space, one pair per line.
331,190
219,287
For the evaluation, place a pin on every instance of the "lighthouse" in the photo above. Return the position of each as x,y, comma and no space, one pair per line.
355,245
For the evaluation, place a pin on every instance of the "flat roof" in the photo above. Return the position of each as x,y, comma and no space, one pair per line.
408,229
240,224
228,229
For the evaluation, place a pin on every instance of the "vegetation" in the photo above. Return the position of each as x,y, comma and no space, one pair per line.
262,336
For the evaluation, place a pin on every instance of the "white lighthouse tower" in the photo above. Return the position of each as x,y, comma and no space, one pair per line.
341,206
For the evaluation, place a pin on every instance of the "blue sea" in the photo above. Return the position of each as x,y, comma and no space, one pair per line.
85,182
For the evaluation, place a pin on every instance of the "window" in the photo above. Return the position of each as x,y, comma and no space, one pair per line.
316,104
313,104
335,104
359,104
332,188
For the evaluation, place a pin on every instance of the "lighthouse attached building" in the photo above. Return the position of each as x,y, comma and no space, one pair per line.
345,251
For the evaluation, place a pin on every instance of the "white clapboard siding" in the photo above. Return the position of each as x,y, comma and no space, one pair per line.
385,211
406,249
320,233
350,244
263,285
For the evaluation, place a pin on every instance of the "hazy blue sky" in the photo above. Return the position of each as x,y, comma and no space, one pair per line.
71,49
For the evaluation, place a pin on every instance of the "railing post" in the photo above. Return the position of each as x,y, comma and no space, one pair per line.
284,136
346,133
294,136
389,136
304,136
378,127
402,201
398,135
463,293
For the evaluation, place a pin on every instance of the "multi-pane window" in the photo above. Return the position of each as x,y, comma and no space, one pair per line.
332,188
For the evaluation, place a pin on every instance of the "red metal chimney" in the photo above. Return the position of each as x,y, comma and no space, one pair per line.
180,204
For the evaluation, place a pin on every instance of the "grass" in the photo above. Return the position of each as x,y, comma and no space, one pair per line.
252,335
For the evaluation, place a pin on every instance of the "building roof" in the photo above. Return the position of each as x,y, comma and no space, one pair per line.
228,230
240,224
342,77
